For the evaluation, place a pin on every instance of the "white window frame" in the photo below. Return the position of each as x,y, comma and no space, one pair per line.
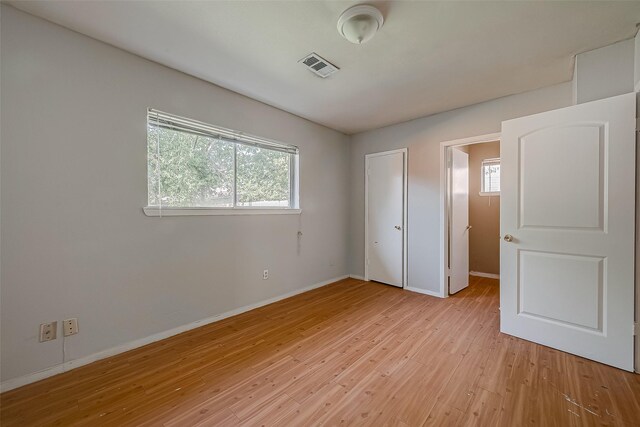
484,163
236,138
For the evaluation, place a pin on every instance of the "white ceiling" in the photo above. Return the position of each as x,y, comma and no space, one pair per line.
428,57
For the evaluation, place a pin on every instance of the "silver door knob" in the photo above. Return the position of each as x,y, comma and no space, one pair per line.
469,227
508,238
397,227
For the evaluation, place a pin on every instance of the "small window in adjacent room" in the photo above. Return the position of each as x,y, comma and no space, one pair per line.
490,177
198,169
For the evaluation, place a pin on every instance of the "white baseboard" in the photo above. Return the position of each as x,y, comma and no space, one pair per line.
487,275
424,291
72,364
355,276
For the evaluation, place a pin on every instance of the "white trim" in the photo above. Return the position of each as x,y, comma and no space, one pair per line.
72,364
423,291
386,153
404,208
157,212
487,275
444,244
355,276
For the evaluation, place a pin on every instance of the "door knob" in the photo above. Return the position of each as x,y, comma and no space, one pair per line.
469,227
397,227
508,238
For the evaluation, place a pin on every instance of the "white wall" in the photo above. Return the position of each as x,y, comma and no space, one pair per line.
423,137
605,72
75,242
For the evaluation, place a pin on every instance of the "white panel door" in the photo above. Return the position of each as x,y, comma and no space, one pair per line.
385,217
459,228
567,220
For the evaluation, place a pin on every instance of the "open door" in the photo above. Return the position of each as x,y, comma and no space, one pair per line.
459,232
568,228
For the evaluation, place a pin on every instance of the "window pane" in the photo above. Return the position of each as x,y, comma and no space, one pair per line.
494,184
194,171
262,178
491,177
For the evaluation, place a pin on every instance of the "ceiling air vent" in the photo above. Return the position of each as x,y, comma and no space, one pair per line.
318,65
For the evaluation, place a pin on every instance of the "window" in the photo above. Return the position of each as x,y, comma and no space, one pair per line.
490,177
192,166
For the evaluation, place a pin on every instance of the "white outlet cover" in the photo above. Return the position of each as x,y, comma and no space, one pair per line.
48,331
70,327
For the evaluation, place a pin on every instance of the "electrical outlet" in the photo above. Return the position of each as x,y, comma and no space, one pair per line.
70,327
265,274
48,331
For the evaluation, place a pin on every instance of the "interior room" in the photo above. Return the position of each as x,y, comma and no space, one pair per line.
386,213
484,209
473,213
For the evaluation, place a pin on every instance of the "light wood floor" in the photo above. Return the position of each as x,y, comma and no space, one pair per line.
349,353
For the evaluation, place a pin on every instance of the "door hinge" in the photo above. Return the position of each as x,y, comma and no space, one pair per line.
636,328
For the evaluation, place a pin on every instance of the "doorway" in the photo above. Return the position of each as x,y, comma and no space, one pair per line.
567,220
568,224
386,217
471,211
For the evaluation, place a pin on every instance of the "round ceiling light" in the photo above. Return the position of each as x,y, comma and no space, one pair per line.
359,24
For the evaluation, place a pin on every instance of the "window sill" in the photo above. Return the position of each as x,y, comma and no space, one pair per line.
489,194
155,211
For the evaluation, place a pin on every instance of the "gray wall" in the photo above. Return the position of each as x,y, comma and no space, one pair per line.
422,137
636,82
605,72
75,242
636,66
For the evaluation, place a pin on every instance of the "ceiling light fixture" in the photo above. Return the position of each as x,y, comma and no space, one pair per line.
360,23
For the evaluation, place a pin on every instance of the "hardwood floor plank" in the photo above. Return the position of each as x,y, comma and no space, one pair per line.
350,353
463,385
443,416
485,409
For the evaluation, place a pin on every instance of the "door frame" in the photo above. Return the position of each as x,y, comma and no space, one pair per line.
445,179
404,152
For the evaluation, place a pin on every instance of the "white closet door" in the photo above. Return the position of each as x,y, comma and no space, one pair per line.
385,217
